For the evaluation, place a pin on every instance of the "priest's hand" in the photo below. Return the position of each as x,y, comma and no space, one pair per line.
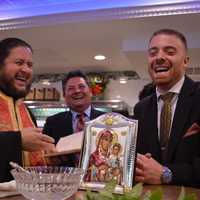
34,140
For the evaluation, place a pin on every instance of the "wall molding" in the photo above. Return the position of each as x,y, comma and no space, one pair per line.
107,75
102,15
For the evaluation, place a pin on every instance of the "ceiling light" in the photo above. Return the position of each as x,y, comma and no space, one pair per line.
99,57
118,97
123,80
45,82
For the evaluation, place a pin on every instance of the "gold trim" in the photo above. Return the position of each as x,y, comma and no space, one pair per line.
11,108
25,154
17,105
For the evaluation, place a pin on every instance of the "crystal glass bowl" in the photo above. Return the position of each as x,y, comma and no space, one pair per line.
47,183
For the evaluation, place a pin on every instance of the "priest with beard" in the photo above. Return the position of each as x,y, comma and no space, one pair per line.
20,140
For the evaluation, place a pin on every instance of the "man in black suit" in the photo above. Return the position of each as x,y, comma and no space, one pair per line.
178,160
77,96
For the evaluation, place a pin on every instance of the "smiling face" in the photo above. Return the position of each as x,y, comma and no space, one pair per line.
77,94
16,73
167,60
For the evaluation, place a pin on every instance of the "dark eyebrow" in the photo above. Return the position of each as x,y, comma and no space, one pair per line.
152,48
170,47
70,86
166,47
82,84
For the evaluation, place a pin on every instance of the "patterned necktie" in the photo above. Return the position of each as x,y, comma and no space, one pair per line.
165,122
80,122
79,127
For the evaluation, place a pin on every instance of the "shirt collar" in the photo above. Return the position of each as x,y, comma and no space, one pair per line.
86,112
175,89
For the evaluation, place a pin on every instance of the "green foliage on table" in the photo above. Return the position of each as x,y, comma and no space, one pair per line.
136,193
184,196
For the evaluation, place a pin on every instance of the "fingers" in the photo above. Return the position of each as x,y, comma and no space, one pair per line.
148,170
140,167
39,130
140,156
139,172
46,138
140,162
34,140
47,146
139,179
148,155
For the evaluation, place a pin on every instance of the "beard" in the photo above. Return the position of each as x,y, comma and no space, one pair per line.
7,86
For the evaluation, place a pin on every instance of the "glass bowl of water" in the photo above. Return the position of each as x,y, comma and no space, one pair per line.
46,182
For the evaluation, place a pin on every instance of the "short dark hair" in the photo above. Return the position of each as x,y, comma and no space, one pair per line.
73,74
171,32
8,44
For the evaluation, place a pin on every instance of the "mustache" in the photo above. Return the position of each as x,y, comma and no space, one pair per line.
161,61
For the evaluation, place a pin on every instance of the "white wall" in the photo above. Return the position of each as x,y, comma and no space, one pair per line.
127,92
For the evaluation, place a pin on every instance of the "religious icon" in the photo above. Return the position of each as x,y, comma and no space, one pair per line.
109,151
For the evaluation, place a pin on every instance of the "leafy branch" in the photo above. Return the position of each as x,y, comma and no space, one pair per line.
136,193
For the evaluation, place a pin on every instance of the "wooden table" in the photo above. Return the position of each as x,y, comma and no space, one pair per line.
170,192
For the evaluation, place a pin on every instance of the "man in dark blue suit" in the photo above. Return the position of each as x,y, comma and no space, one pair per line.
77,96
178,161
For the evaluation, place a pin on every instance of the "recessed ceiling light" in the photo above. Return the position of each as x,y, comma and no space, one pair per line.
45,82
123,80
99,57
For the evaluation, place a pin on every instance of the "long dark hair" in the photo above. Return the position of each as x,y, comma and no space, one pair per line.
8,44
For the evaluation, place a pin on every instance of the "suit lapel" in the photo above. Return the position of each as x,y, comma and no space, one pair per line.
183,107
147,140
68,122
152,129
94,113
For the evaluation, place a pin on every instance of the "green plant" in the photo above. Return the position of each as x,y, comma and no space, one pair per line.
136,193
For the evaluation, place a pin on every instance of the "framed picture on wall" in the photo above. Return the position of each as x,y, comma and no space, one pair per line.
109,151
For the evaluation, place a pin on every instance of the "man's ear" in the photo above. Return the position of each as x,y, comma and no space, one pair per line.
91,95
186,60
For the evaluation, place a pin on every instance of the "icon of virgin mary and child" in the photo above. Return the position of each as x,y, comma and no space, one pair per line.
105,163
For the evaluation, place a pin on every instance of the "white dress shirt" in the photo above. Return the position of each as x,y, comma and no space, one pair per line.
175,89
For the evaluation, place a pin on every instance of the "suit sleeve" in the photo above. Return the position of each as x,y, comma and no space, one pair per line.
186,166
47,127
186,174
136,112
10,150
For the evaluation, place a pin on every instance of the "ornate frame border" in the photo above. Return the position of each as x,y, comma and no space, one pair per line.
111,121
103,14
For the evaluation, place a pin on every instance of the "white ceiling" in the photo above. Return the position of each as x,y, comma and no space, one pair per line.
69,41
